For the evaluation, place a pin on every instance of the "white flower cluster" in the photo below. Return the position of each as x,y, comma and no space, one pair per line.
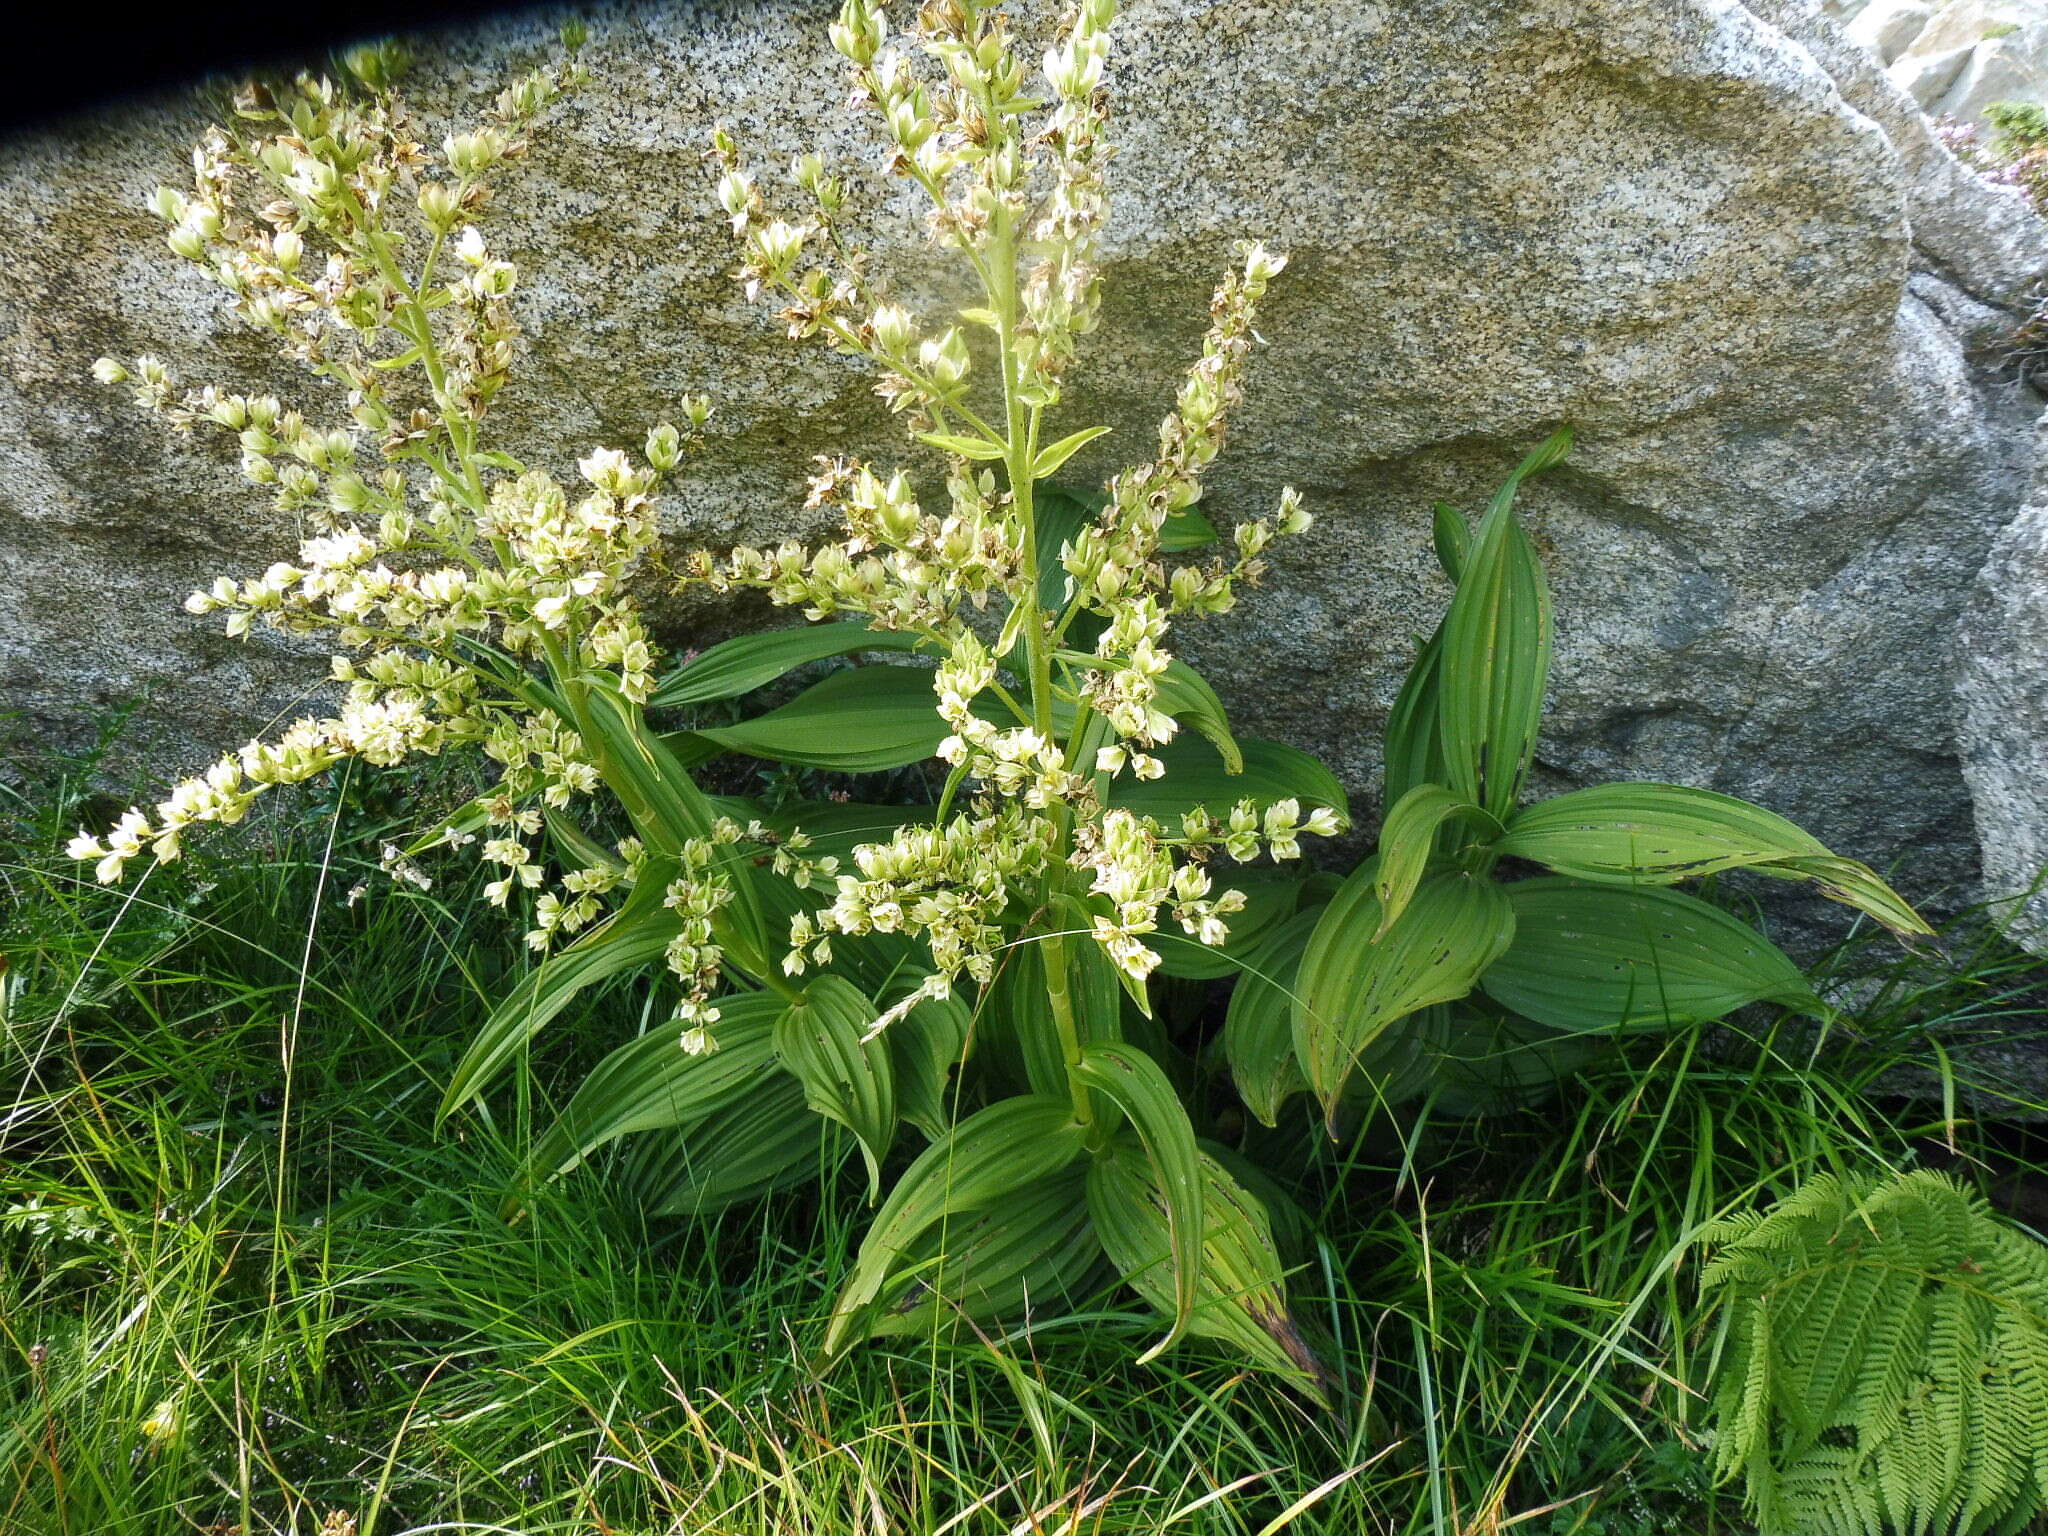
951,883
1037,749
450,578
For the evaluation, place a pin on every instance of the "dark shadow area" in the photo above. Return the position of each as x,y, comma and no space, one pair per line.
68,61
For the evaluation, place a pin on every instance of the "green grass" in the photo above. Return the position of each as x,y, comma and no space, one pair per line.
245,1281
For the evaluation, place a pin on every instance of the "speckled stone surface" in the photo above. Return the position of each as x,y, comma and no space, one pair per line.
2005,716
1710,234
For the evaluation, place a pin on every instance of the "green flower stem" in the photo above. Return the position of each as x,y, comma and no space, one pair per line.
1020,452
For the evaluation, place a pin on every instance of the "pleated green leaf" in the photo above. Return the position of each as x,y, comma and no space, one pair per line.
652,1083
668,809
1496,652
1352,985
1408,842
746,662
979,448
631,938
1036,1250
1240,1297
989,1158
1185,530
1413,745
845,1078
1859,886
925,1046
1487,1061
1258,1026
861,720
466,820
1197,775
1187,696
1656,834
765,1140
1017,1018
1453,540
1609,957
1141,1092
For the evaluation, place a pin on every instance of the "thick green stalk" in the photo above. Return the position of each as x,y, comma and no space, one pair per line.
1021,450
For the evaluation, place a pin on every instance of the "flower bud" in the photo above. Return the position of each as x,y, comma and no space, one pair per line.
230,411
1294,517
287,249
664,446
439,204
347,493
892,326
471,153
697,409
859,31
169,205
107,371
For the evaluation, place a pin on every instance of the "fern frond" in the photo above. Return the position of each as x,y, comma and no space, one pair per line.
1884,1365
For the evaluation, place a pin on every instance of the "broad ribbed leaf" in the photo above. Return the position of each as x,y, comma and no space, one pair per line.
1647,834
1196,775
1452,538
1859,886
575,847
1655,834
1258,1027
1352,986
1487,1061
1408,841
986,1159
1185,530
1609,957
1240,1298
466,821
861,720
668,809
925,1046
1017,1016
632,937
979,448
1036,1250
1496,652
1133,1082
765,1140
652,1083
1414,751
1187,696
845,1077
746,662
